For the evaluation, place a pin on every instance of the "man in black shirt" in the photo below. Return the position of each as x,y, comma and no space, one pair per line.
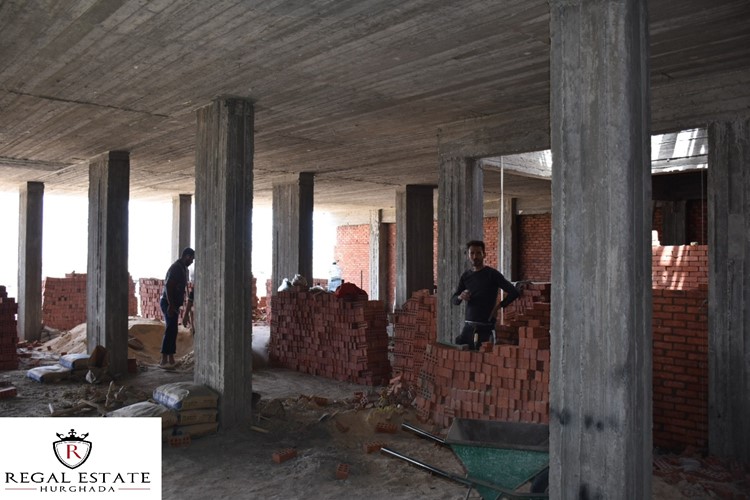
172,298
478,287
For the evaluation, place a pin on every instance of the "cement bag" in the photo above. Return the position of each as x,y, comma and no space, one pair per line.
185,396
51,373
75,361
203,416
147,409
193,431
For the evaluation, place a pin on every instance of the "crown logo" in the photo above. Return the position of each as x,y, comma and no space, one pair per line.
72,436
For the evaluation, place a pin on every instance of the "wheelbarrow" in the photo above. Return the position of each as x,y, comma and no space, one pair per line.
499,457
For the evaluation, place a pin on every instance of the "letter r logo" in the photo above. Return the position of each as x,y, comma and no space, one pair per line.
72,451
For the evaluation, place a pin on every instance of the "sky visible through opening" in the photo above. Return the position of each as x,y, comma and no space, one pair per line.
65,240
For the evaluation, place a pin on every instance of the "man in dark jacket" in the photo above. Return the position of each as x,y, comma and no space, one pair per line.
172,298
478,287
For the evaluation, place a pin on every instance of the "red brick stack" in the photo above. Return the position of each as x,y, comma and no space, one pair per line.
8,331
64,301
506,382
149,292
414,329
530,309
320,334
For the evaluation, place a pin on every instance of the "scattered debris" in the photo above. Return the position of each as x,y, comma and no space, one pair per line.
284,455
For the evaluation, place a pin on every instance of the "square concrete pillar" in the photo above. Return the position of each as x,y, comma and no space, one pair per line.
181,219
729,289
378,257
107,273
600,388
30,228
414,241
460,219
223,275
293,229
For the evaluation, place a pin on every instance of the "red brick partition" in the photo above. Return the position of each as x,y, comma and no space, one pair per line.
320,334
680,359
64,301
8,331
679,267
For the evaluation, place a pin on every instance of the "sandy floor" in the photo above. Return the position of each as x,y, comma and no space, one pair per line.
238,463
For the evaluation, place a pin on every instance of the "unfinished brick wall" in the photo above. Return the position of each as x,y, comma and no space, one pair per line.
535,247
696,229
8,331
680,339
506,382
683,267
323,335
64,301
680,358
352,252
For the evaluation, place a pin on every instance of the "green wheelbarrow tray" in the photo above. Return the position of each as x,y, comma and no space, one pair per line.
498,456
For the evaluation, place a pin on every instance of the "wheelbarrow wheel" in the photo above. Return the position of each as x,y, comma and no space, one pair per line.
540,483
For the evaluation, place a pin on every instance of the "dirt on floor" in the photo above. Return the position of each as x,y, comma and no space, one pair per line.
329,424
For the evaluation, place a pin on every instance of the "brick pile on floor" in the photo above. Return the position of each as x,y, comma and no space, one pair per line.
413,330
64,301
321,334
8,331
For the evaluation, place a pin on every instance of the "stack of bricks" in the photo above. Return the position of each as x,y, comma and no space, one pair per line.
530,309
680,359
414,330
679,267
500,382
64,301
323,335
150,290
8,332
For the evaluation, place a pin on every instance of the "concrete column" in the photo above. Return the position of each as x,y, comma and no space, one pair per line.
414,237
107,274
600,389
378,257
674,228
223,249
292,229
181,216
506,217
728,289
30,218
460,219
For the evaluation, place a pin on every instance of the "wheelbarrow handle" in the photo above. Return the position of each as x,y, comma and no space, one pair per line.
427,467
422,433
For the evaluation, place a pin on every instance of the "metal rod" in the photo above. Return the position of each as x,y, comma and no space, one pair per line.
427,467
422,433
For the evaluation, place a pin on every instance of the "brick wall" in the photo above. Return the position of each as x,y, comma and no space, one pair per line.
352,252
8,331
535,247
323,335
680,357
681,267
508,382
64,301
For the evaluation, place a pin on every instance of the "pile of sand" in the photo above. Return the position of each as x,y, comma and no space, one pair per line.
144,334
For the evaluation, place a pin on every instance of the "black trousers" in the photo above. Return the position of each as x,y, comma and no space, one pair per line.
467,335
